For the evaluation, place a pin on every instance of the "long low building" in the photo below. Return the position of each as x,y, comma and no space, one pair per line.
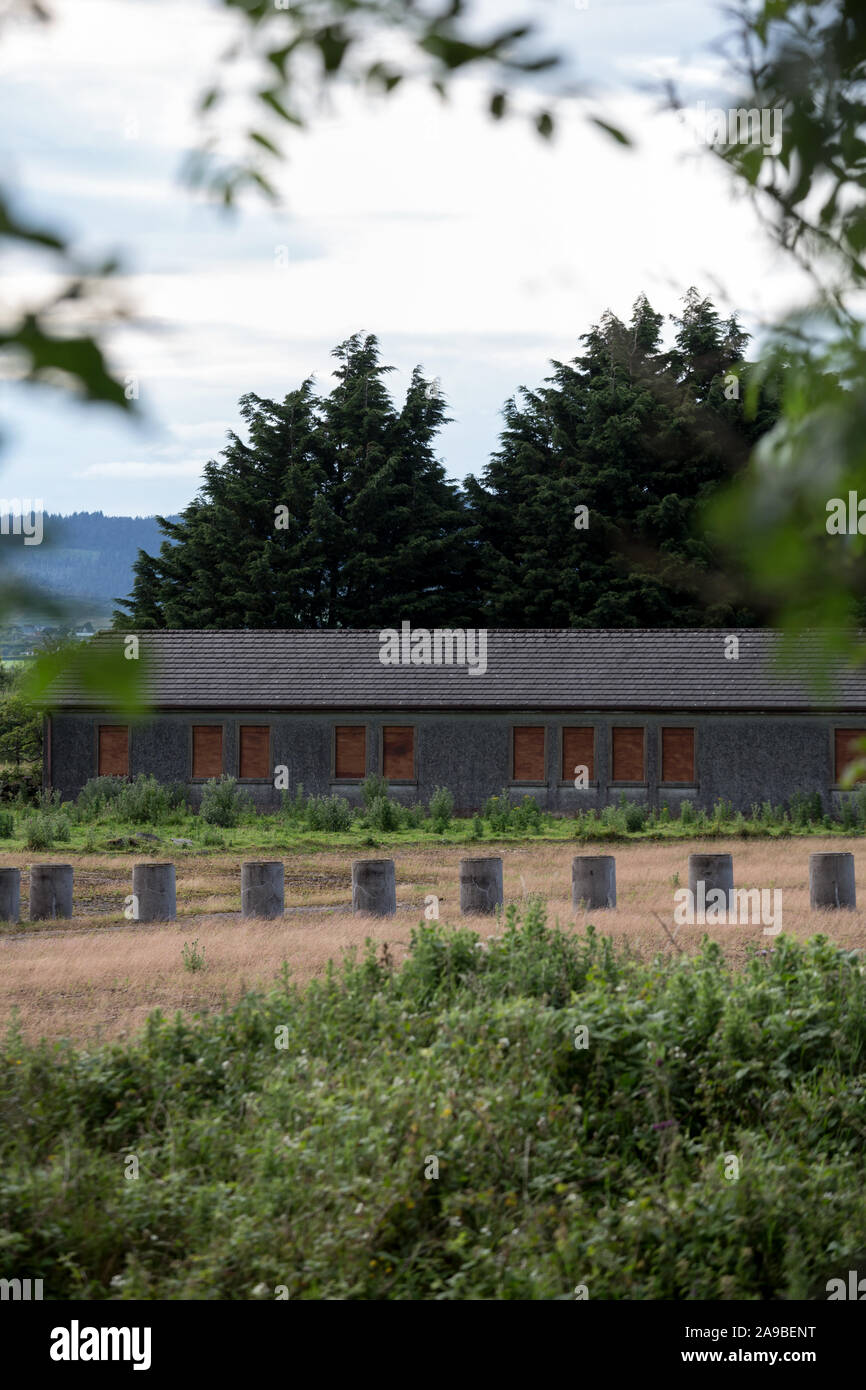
575,718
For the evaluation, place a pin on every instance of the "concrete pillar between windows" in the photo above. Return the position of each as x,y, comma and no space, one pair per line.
153,891
50,891
10,895
481,885
374,887
593,881
831,881
263,889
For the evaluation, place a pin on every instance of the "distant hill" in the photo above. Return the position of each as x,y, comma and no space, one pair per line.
85,558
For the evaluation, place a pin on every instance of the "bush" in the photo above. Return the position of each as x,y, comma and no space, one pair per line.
7,825
258,1147
144,801
384,815
635,817
98,795
328,813
372,788
441,808
222,803
42,828
147,801
687,813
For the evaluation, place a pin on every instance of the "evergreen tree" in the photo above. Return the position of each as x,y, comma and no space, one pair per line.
640,438
335,512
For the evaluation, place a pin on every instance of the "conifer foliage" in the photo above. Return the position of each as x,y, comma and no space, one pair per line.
336,512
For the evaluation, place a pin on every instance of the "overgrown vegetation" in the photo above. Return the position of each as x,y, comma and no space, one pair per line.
118,810
509,1119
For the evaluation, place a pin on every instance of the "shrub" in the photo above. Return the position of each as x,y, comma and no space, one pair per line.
687,813
294,808
38,830
144,801
98,795
384,815
372,788
635,817
328,813
441,808
477,828
7,825
222,803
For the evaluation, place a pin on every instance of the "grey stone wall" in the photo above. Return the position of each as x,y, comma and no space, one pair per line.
741,758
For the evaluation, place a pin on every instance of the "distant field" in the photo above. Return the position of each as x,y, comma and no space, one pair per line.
99,976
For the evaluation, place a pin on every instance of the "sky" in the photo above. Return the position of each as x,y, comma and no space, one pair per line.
471,248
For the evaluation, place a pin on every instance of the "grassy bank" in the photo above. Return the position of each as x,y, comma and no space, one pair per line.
509,1119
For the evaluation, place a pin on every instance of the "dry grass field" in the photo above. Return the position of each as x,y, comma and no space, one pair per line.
98,976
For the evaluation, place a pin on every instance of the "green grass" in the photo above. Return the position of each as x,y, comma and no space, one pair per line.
115,809
290,1146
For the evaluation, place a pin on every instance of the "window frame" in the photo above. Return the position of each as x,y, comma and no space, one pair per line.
254,724
569,781
206,724
526,782
630,782
350,724
399,781
836,784
694,782
113,724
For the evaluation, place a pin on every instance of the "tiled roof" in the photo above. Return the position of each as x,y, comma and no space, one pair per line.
661,669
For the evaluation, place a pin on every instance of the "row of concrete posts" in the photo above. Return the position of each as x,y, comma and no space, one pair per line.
374,886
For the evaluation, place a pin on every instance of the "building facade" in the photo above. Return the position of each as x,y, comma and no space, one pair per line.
576,719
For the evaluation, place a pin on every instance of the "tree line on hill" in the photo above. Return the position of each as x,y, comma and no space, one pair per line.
336,511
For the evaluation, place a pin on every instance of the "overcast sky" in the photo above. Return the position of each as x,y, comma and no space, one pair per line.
471,248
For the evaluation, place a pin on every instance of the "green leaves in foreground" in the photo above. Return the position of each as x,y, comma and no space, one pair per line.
502,1119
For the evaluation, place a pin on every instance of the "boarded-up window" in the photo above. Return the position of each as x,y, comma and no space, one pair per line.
578,750
529,754
627,755
113,750
847,751
254,758
678,755
207,750
398,753
350,752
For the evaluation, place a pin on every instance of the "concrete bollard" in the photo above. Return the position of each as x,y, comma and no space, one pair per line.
153,891
831,881
709,872
50,891
374,887
10,895
480,885
593,881
263,889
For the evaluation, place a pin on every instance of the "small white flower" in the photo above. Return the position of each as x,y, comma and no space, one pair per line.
503,1042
